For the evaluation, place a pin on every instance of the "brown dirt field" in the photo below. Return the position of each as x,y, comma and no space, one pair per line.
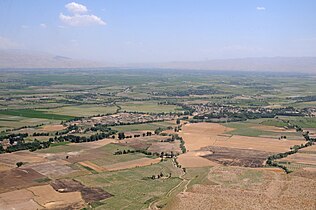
51,128
132,164
89,194
27,157
245,188
18,178
40,197
236,157
92,166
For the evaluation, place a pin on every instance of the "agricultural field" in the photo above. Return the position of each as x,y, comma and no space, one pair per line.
130,139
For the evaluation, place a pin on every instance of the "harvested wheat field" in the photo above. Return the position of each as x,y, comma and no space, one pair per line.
195,159
244,188
40,197
132,164
258,143
200,135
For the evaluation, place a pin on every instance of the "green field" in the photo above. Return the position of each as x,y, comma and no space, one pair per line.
29,113
132,188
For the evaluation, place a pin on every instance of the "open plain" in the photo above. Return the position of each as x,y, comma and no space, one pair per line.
217,141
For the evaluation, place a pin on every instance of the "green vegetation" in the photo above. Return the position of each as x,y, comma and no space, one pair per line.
29,113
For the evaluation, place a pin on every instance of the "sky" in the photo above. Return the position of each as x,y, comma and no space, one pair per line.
139,31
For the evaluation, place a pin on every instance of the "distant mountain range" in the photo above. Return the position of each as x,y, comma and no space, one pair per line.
270,64
22,59
28,59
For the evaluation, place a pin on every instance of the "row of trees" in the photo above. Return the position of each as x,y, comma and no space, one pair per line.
40,134
161,155
14,137
122,135
32,146
79,139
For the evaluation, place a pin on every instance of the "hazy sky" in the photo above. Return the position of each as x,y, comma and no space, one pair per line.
160,30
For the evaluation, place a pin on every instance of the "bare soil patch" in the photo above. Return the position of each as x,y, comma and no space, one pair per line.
236,157
18,178
132,164
89,194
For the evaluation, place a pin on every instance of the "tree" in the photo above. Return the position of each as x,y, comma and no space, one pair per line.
121,136
19,164
178,121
